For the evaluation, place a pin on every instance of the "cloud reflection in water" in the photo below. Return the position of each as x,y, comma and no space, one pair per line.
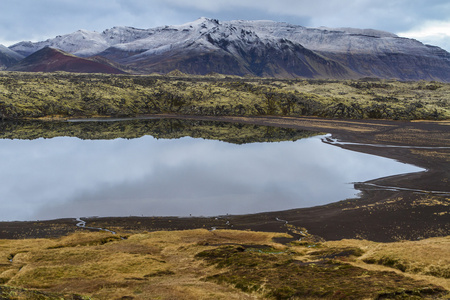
69,177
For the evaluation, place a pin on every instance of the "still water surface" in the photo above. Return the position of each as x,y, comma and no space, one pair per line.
70,177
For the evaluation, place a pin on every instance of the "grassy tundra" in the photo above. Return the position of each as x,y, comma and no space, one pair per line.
221,264
65,95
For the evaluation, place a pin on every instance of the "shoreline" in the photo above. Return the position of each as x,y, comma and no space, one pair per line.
378,215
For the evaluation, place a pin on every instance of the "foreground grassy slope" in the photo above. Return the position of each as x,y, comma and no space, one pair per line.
220,264
26,95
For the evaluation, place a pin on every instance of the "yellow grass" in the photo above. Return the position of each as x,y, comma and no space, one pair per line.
427,259
162,265
158,264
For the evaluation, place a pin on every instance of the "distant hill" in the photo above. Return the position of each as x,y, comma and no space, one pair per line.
52,60
257,48
8,57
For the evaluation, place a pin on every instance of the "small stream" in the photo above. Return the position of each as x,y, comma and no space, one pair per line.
328,140
398,189
82,224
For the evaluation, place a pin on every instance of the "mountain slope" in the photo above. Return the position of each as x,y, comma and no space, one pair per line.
261,48
84,43
8,57
367,52
51,60
226,50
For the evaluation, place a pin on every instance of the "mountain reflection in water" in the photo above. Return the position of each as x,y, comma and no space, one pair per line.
172,168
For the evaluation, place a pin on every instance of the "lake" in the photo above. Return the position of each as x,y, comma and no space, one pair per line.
164,167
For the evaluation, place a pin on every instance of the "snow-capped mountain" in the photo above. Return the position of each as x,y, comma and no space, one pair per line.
262,48
84,43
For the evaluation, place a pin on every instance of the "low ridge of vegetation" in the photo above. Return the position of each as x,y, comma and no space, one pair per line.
65,95
158,128
218,264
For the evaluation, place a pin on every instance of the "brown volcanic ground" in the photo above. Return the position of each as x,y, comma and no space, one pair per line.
380,214
52,60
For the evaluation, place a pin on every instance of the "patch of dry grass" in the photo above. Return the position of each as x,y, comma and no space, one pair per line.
429,257
434,154
166,265
100,265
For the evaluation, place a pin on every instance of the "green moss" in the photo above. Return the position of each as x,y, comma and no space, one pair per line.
159,128
388,262
332,253
282,277
25,95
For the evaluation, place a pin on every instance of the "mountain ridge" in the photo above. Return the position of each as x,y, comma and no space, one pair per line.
257,48
52,60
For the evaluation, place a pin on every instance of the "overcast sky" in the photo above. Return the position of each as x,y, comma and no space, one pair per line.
425,20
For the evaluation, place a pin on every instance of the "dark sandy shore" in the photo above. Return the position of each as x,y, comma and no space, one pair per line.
418,209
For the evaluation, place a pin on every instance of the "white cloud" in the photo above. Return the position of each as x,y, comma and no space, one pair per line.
431,32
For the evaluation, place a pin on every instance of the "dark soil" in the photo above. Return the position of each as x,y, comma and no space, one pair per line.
378,215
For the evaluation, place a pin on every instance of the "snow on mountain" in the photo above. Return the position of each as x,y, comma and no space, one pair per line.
366,32
336,39
8,57
122,34
6,51
363,52
207,45
87,43
80,43
84,43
